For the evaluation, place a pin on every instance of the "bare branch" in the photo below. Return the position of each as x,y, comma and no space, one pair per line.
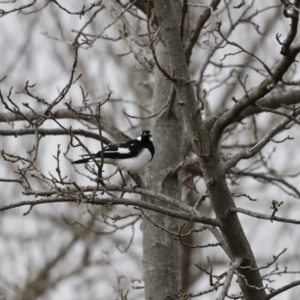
255,94
229,277
64,114
56,131
290,11
18,9
125,189
141,53
245,154
198,28
282,289
114,201
262,216
80,13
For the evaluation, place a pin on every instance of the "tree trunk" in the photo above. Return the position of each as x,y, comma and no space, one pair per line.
161,251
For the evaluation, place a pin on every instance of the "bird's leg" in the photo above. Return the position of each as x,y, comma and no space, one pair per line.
133,180
99,179
122,178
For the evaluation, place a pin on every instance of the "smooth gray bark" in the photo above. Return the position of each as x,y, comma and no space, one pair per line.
161,257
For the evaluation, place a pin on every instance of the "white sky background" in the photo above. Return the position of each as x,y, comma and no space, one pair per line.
28,54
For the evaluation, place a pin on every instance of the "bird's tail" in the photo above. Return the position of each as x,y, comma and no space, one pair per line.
81,161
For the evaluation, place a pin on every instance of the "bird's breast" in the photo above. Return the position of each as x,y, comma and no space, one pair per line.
134,164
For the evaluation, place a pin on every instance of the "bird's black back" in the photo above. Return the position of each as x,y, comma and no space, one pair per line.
134,148
124,150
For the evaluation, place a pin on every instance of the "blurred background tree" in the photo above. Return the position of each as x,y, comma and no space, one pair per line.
216,83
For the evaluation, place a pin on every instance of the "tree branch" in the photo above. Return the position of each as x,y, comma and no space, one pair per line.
261,216
198,28
65,114
116,188
282,289
294,15
115,201
44,132
229,277
142,53
259,146
274,100
255,94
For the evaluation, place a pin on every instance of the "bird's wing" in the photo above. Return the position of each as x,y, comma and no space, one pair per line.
122,150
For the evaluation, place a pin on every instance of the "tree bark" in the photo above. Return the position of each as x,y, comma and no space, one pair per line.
161,251
219,194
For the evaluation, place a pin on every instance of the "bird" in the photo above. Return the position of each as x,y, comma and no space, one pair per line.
130,156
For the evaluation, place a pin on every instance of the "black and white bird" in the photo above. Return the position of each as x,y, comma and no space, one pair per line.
130,156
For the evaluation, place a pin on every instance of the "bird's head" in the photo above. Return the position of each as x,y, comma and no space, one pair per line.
145,136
